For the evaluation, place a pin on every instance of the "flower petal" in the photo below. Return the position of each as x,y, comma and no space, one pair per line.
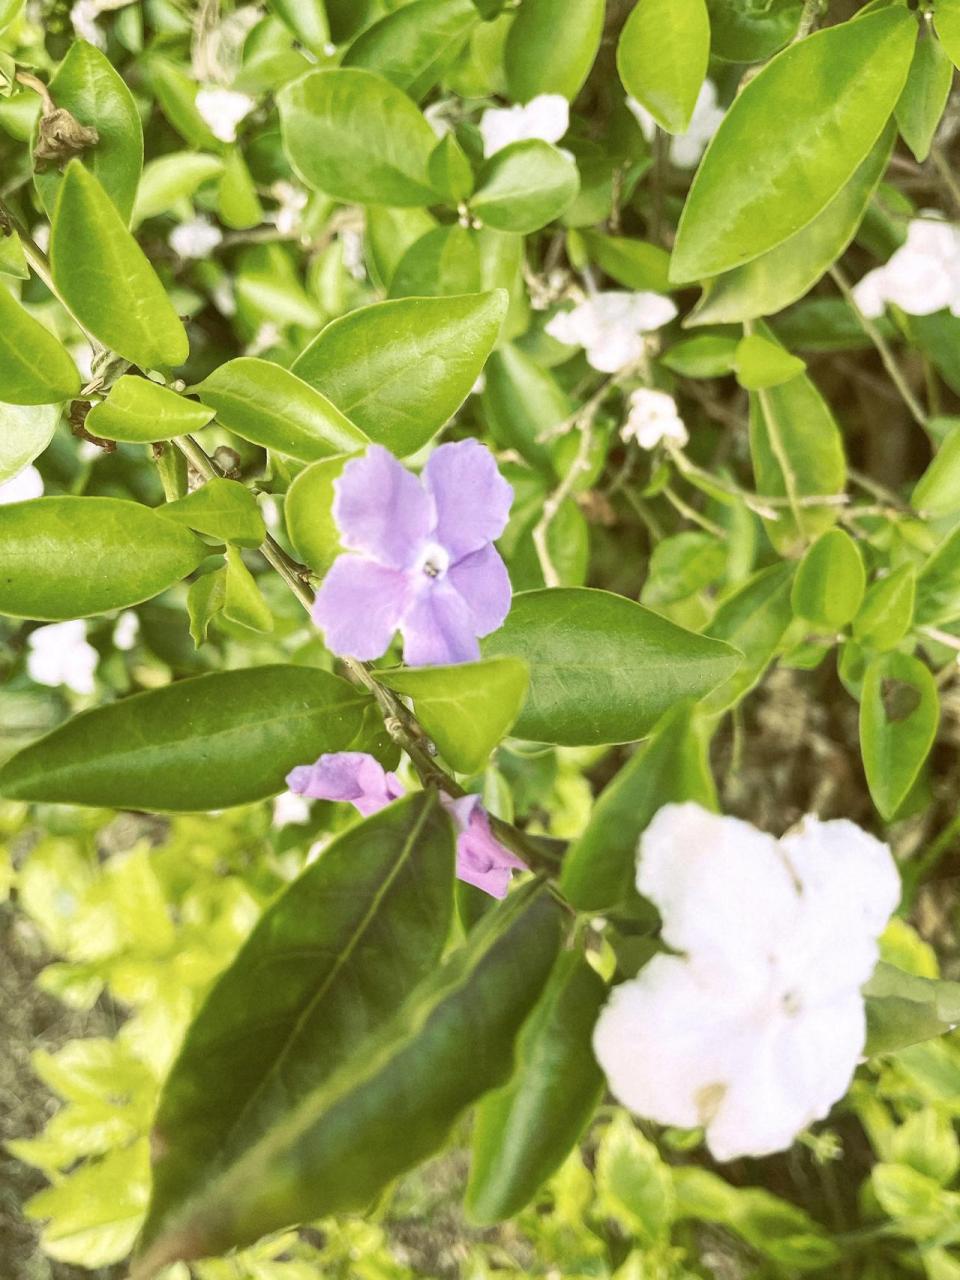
354,776
481,859
483,582
438,628
382,509
471,496
359,607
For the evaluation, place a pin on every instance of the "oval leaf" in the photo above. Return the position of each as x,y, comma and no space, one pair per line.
886,613
924,96
221,508
752,619
551,47
139,411
34,367
899,715
524,186
662,58
414,46
25,431
829,586
308,509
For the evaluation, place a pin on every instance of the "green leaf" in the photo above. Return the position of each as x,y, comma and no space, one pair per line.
760,363
782,275
25,431
73,557
442,263
271,406
237,201
220,508
105,278
90,88
205,743
391,1104
139,411
634,263
807,120
242,601
937,492
13,261
743,32
308,508
603,669
551,47
886,613
946,21
634,1184
172,178
524,186
903,1009
938,585
9,9
600,866
34,367
177,93
752,619
205,599
899,715
401,369
830,583
924,96
358,137
466,709
662,58
708,355
525,1130
415,46
307,19
450,170
521,402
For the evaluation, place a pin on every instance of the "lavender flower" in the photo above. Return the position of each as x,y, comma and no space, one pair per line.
357,777
420,557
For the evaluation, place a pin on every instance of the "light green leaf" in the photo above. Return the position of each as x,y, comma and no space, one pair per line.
886,613
899,715
105,278
34,367
450,171
807,120
946,21
220,508
662,58
9,9
401,369
172,178
205,743
271,406
356,136
830,583
13,261
25,431
633,1182
389,234
205,599
708,355
752,619
242,601
760,363
937,492
414,46
139,411
308,508
466,709
603,669
74,557
938,584
524,186
237,201
903,1009
177,93
307,19
634,263
924,96
551,47
442,263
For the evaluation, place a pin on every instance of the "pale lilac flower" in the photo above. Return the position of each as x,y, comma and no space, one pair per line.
60,655
26,484
610,326
922,277
222,110
546,117
357,777
653,417
686,148
195,239
757,1025
420,556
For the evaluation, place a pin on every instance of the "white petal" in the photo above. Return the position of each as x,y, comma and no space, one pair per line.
870,293
26,484
547,117
222,110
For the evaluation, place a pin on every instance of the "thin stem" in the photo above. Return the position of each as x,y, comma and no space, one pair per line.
691,514
556,499
942,166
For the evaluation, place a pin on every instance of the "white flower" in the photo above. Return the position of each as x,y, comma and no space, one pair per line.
59,654
291,203
922,277
546,117
195,239
754,1030
222,110
290,809
126,631
351,252
609,326
83,16
686,148
26,484
653,417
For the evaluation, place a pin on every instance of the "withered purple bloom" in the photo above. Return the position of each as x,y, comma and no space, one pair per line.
420,556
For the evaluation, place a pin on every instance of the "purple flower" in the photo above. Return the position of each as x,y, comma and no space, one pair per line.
358,778
424,561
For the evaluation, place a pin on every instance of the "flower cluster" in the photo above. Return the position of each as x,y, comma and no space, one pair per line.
922,277
546,117
356,777
754,1028
653,416
610,326
686,148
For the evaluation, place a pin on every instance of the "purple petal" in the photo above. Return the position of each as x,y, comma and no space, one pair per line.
438,628
472,498
381,509
359,607
354,776
482,580
481,859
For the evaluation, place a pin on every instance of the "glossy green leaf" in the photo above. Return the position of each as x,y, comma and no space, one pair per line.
807,120
524,1131
466,709
177,93
603,669
401,369
105,278
760,363
25,431
744,32
415,45
886,613
13,262
205,743
708,355
220,508
938,584
308,508
452,1040
924,96
140,411
551,47
205,599
34,367
662,58
242,599
899,714
73,557
830,583
271,406
389,234
356,136
752,619
307,19
172,178
937,492
524,186
237,201
442,263
903,1009
522,402
450,171
600,866
946,21
635,263
88,86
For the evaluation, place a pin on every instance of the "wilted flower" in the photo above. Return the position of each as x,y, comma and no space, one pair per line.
426,564
361,780
609,326
922,277
686,148
26,484
546,117
222,110
653,417
195,239
60,655
754,1029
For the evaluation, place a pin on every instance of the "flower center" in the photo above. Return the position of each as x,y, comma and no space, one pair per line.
791,1003
434,561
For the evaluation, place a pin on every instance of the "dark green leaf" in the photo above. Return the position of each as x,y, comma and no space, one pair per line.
753,619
